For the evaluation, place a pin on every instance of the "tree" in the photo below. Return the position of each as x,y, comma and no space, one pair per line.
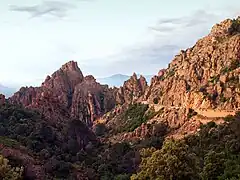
173,161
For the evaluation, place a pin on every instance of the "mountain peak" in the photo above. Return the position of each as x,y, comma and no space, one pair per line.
226,27
69,74
70,66
134,76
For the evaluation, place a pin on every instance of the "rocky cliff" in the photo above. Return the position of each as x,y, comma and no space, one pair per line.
200,84
2,99
203,77
68,94
131,90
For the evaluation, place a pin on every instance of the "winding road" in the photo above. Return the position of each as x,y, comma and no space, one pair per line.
208,113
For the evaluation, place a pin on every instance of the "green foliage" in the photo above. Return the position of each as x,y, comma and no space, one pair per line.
225,70
222,98
229,118
214,79
173,161
235,24
235,63
55,144
171,73
9,173
134,116
213,153
114,161
9,142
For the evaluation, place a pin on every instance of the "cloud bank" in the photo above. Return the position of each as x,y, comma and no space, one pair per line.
54,8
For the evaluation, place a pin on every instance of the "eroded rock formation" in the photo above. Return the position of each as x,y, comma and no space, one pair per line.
68,94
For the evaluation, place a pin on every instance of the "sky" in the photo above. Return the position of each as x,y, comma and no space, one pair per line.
105,37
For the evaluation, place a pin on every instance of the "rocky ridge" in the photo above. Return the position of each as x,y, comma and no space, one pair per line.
68,94
131,90
205,77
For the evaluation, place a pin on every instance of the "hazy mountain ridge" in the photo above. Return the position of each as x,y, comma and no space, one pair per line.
6,90
117,80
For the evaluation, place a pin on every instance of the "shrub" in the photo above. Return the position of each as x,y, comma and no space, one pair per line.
155,100
229,118
225,70
100,129
134,116
235,25
171,73
222,98
191,113
211,124
214,79
188,87
234,65
173,161
9,173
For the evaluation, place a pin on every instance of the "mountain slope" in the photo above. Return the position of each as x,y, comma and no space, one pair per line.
203,77
196,95
201,84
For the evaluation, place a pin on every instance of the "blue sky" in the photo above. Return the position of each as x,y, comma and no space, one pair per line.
105,36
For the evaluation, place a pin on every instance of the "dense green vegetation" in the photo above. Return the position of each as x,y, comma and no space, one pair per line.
235,63
134,116
56,146
213,153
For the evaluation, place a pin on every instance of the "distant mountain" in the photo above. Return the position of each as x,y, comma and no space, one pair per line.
6,90
118,79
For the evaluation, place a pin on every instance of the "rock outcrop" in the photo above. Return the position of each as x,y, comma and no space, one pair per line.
68,94
204,76
2,99
131,90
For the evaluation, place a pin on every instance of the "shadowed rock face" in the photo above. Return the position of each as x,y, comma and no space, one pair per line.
2,99
64,81
67,94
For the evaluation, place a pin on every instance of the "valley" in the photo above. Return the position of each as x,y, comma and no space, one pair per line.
183,125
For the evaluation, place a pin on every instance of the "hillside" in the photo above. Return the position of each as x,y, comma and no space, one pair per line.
183,125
